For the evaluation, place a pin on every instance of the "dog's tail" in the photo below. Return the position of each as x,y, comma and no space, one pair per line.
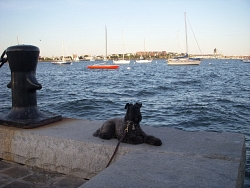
96,133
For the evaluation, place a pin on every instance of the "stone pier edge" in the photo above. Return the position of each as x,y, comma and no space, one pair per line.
68,147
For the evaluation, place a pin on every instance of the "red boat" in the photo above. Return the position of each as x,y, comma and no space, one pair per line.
103,66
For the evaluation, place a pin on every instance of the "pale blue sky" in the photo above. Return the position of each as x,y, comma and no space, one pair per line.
221,24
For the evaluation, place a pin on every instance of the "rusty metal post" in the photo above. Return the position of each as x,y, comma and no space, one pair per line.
24,113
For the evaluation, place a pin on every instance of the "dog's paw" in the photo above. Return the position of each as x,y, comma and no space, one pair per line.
96,133
152,140
157,142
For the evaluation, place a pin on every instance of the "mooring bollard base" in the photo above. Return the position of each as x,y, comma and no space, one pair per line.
24,113
29,123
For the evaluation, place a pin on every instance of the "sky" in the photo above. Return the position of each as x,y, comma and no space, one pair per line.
159,24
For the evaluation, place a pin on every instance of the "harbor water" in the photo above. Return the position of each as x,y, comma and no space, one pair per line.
214,96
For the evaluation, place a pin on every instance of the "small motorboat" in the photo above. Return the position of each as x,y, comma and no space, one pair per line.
100,66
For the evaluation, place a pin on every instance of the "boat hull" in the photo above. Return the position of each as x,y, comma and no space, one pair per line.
246,60
183,62
121,62
103,66
62,63
143,61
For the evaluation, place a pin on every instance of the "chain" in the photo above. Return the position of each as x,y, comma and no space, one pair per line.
3,60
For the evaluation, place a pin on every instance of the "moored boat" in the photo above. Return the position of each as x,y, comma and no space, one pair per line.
121,61
100,66
185,60
62,62
142,59
246,60
65,60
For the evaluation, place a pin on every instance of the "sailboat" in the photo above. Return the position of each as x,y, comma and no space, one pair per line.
65,60
185,60
246,60
103,65
142,59
122,61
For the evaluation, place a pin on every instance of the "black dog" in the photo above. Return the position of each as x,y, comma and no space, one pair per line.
128,126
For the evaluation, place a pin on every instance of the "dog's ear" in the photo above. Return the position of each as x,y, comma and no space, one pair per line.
127,105
139,104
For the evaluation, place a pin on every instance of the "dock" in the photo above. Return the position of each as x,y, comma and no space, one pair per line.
185,159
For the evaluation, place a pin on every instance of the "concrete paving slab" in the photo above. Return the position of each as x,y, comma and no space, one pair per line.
158,169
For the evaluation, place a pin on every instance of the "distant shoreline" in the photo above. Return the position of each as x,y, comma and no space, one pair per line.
86,61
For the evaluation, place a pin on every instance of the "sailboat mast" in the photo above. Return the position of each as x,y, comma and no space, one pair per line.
145,53
122,46
186,33
63,49
144,45
106,41
144,48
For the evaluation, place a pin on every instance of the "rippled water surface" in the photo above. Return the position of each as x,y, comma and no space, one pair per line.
214,96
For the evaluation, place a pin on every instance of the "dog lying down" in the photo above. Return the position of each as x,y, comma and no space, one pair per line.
116,127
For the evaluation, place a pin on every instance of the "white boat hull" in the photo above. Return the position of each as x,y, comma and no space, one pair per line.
62,63
121,62
185,61
143,61
246,60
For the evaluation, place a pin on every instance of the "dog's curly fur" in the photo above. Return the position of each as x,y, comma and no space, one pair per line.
115,127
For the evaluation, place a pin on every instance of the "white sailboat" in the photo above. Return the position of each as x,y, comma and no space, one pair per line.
142,59
185,60
92,58
247,60
122,61
104,65
65,60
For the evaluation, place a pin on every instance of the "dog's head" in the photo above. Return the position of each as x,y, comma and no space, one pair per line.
133,113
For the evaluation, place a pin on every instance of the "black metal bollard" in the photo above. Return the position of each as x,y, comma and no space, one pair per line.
24,113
